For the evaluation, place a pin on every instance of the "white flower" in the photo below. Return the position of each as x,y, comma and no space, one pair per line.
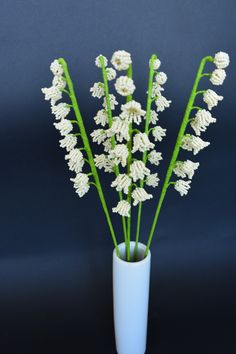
81,184
120,128
154,157
156,90
138,170
132,112
152,180
119,154
61,110
158,133
122,183
161,78
201,121
193,143
162,103
211,98
182,186
59,82
64,126
101,117
56,68
52,93
98,135
107,145
113,102
122,208
76,160
68,142
98,62
124,86
121,60
141,143
221,60
97,90
156,64
111,74
153,117
217,77
185,168
140,195
102,161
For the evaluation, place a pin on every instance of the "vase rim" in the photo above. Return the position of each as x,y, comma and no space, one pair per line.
133,264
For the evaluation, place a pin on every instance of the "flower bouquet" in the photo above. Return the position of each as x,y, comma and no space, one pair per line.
130,138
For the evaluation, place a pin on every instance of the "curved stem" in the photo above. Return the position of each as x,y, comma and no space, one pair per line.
200,92
177,147
65,91
196,107
147,122
109,113
135,130
88,151
205,74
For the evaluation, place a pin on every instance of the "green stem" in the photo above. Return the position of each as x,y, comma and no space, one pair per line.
129,160
177,148
88,151
109,113
65,91
205,74
147,122
200,92
196,107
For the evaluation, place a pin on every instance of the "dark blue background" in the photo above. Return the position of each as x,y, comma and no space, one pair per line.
55,250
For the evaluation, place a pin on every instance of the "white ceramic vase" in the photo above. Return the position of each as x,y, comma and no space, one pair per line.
130,300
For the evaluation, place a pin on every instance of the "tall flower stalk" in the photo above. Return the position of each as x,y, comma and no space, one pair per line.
109,113
129,146
147,122
87,148
186,119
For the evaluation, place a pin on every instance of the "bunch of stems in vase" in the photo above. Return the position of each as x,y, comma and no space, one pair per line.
130,136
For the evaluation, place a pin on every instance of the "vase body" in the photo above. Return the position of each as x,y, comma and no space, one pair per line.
130,300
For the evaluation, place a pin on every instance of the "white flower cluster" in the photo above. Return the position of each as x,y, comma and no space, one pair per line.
122,183
54,93
118,133
97,90
122,208
185,168
119,128
193,143
182,186
201,121
119,155
124,86
98,61
121,60
142,143
112,100
132,112
161,102
81,184
74,157
140,195
211,98
199,124
221,61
